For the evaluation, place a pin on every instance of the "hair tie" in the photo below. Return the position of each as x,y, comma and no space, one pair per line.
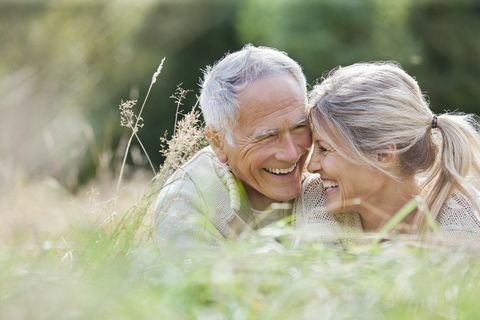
434,122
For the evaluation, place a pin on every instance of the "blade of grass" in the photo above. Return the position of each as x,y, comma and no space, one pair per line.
396,219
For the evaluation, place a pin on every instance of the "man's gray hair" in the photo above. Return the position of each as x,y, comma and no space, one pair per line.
224,80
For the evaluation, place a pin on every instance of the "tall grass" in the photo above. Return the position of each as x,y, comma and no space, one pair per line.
255,279
115,269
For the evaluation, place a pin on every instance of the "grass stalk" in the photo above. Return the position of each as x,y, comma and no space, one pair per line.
136,126
146,154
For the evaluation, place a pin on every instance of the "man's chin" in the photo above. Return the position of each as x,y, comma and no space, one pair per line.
284,196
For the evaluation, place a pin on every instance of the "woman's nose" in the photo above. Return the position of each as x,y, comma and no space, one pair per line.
315,163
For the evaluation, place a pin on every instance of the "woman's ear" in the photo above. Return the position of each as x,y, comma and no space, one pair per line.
388,155
217,144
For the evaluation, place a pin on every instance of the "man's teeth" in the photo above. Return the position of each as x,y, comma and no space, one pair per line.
281,171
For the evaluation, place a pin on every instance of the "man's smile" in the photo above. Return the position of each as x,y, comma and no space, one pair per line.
279,171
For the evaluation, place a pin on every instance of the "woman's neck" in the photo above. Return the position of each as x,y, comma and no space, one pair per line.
381,207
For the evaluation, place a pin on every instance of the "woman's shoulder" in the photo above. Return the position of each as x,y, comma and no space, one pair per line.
459,215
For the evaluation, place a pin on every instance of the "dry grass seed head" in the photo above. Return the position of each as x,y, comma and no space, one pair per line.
187,140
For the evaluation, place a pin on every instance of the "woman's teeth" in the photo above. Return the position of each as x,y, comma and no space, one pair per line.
329,185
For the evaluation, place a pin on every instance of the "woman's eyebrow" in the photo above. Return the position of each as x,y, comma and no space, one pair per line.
324,144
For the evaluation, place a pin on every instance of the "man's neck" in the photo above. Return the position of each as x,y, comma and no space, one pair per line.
259,203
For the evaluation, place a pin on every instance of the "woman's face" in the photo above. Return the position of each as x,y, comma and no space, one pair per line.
348,186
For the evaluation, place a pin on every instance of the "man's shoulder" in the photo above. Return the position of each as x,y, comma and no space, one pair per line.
195,196
201,173
202,165
204,155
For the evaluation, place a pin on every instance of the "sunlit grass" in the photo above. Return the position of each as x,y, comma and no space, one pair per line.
94,255
114,269
90,275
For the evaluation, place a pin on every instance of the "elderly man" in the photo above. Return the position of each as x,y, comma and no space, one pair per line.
254,105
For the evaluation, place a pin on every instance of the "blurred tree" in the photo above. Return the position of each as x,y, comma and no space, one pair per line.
60,62
67,64
435,40
327,33
448,32
196,34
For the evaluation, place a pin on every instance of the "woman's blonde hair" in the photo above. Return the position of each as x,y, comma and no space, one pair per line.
370,107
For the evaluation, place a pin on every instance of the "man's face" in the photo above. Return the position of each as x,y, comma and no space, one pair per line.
272,139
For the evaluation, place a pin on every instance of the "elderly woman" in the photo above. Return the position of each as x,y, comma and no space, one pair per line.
378,145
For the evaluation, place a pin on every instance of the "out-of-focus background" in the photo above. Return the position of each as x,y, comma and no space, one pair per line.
66,65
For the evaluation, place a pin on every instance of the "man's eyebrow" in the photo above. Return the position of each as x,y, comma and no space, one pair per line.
263,134
301,122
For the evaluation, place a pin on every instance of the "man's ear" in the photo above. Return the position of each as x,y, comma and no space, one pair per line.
217,144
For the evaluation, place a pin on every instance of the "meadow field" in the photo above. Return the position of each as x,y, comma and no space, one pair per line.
93,255
75,259
77,234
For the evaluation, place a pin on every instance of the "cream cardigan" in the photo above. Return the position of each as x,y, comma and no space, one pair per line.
203,201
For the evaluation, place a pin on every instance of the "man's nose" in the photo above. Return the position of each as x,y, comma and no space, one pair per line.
289,150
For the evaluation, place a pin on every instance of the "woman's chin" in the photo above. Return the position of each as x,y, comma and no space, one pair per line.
335,207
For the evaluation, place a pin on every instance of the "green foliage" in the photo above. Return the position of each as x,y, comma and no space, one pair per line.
66,65
448,34
435,40
324,34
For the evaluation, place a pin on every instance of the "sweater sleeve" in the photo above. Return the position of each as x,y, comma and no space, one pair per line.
186,205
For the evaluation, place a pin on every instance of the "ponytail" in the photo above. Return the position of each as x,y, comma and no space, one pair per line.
457,164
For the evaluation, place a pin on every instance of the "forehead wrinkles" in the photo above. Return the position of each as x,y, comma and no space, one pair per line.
266,118
269,96
271,103
272,98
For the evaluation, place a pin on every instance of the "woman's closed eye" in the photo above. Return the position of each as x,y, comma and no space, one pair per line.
324,149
